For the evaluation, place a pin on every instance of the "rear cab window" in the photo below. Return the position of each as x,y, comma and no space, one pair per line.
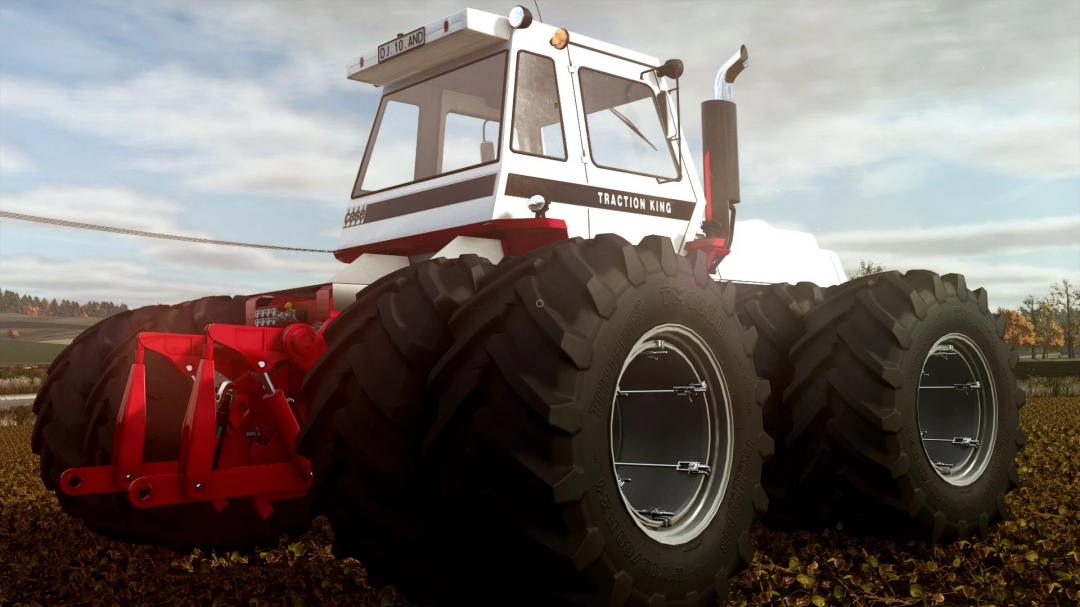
623,126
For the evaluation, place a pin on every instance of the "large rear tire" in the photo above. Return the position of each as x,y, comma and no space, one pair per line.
778,313
918,357
524,452
77,409
371,408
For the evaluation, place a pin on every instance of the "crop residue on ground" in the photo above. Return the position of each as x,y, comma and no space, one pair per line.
1030,559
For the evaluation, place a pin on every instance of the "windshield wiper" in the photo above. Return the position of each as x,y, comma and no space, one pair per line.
634,128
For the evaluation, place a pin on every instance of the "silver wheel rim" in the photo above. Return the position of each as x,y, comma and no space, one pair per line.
957,409
671,428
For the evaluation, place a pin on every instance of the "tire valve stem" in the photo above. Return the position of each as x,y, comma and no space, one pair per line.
622,481
943,467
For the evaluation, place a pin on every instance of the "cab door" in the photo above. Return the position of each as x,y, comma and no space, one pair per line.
541,148
628,159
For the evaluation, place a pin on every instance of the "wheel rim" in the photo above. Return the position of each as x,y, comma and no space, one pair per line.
671,434
957,409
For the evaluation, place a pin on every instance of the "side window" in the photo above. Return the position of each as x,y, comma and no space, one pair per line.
623,125
537,127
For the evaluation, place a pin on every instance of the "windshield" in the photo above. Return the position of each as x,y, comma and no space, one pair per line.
447,123
623,124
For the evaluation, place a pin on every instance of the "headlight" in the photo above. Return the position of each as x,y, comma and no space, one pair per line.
538,205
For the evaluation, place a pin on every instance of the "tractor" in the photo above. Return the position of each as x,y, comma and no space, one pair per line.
547,372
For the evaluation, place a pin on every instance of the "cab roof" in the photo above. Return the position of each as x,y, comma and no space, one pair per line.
455,36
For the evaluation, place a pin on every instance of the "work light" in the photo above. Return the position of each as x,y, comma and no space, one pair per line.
520,17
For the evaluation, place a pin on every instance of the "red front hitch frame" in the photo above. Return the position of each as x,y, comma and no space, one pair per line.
239,434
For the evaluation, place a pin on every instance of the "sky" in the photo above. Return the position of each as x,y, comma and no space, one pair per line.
938,135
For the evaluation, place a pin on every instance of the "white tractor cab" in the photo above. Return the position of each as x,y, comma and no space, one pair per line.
496,135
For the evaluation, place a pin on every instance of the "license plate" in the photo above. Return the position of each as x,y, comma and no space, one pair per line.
401,44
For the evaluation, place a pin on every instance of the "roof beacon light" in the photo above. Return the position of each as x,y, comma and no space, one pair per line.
520,17
560,39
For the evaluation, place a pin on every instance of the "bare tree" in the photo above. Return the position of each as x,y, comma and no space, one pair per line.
1047,332
1032,306
1064,297
868,267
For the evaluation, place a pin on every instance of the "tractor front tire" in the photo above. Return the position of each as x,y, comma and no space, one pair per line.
77,409
371,407
524,452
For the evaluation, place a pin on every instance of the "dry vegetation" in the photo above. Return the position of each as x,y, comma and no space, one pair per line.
1031,559
22,379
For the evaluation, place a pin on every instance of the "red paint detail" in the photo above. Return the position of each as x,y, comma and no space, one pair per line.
361,62
287,425
303,344
708,188
445,26
254,344
197,439
166,489
102,479
713,247
517,235
703,243
263,468
181,350
130,430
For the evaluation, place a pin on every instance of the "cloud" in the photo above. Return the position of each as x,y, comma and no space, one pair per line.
216,133
320,266
117,207
993,85
965,249
990,238
14,159
125,208
135,284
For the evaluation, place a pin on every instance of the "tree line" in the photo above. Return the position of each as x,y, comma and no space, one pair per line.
1050,322
12,302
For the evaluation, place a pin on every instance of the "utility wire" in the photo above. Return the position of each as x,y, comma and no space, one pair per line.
90,226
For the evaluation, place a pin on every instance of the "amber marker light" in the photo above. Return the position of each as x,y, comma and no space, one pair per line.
560,38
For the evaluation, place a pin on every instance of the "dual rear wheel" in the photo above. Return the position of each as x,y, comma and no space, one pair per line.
898,408
593,435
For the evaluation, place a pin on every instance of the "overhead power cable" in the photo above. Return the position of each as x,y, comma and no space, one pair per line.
90,226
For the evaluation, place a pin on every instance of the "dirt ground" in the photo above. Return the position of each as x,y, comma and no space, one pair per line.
1030,559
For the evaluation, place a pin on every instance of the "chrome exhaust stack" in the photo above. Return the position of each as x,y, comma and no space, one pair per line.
720,143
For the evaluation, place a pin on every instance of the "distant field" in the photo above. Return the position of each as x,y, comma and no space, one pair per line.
19,351
41,338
